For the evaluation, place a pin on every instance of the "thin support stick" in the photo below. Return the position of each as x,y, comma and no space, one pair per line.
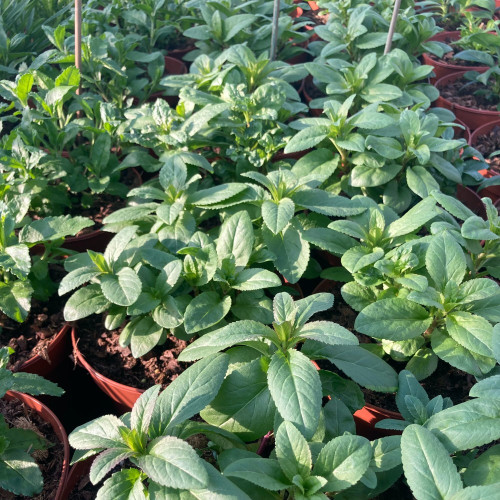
78,37
392,27
274,33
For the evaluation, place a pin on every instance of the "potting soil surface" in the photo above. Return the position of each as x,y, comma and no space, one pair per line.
462,92
101,349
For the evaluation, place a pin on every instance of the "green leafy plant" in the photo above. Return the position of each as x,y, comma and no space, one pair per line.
24,276
152,441
275,378
486,54
340,463
452,12
439,313
434,429
19,472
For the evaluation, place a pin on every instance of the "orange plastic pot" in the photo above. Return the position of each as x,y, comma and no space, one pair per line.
492,192
75,475
124,396
47,415
57,351
472,117
441,67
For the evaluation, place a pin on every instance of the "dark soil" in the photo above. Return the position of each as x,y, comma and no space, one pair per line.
489,143
32,337
446,380
462,92
311,91
50,461
449,57
102,351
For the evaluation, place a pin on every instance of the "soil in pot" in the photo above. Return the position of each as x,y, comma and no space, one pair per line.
102,351
446,380
50,461
462,92
33,336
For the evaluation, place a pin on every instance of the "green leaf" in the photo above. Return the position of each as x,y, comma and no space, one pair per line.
338,419
476,228
323,202
189,393
284,308
484,469
291,252
487,388
236,238
307,138
217,340
359,364
387,147
477,289
243,404
144,334
216,194
277,215
409,386
310,305
452,352
467,425
429,470
359,257
33,384
143,409
489,492
386,453
76,278
23,88
102,432
255,279
123,485
421,181
172,462
205,310
452,205
327,332
471,331
118,243
393,319
20,473
263,472
122,288
53,228
343,461
292,451
84,302
445,260
15,299
296,390
415,218
106,461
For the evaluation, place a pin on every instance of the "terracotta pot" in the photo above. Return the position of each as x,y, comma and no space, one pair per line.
473,118
290,156
123,395
75,475
492,192
441,67
462,133
47,415
471,200
313,5
180,53
57,351
366,418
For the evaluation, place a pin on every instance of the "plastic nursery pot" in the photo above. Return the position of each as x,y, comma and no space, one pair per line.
441,67
57,351
472,117
492,192
124,396
47,415
75,475
366,418
471,200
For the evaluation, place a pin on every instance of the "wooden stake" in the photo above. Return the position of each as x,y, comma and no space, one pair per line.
392,26
274,33
78,38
